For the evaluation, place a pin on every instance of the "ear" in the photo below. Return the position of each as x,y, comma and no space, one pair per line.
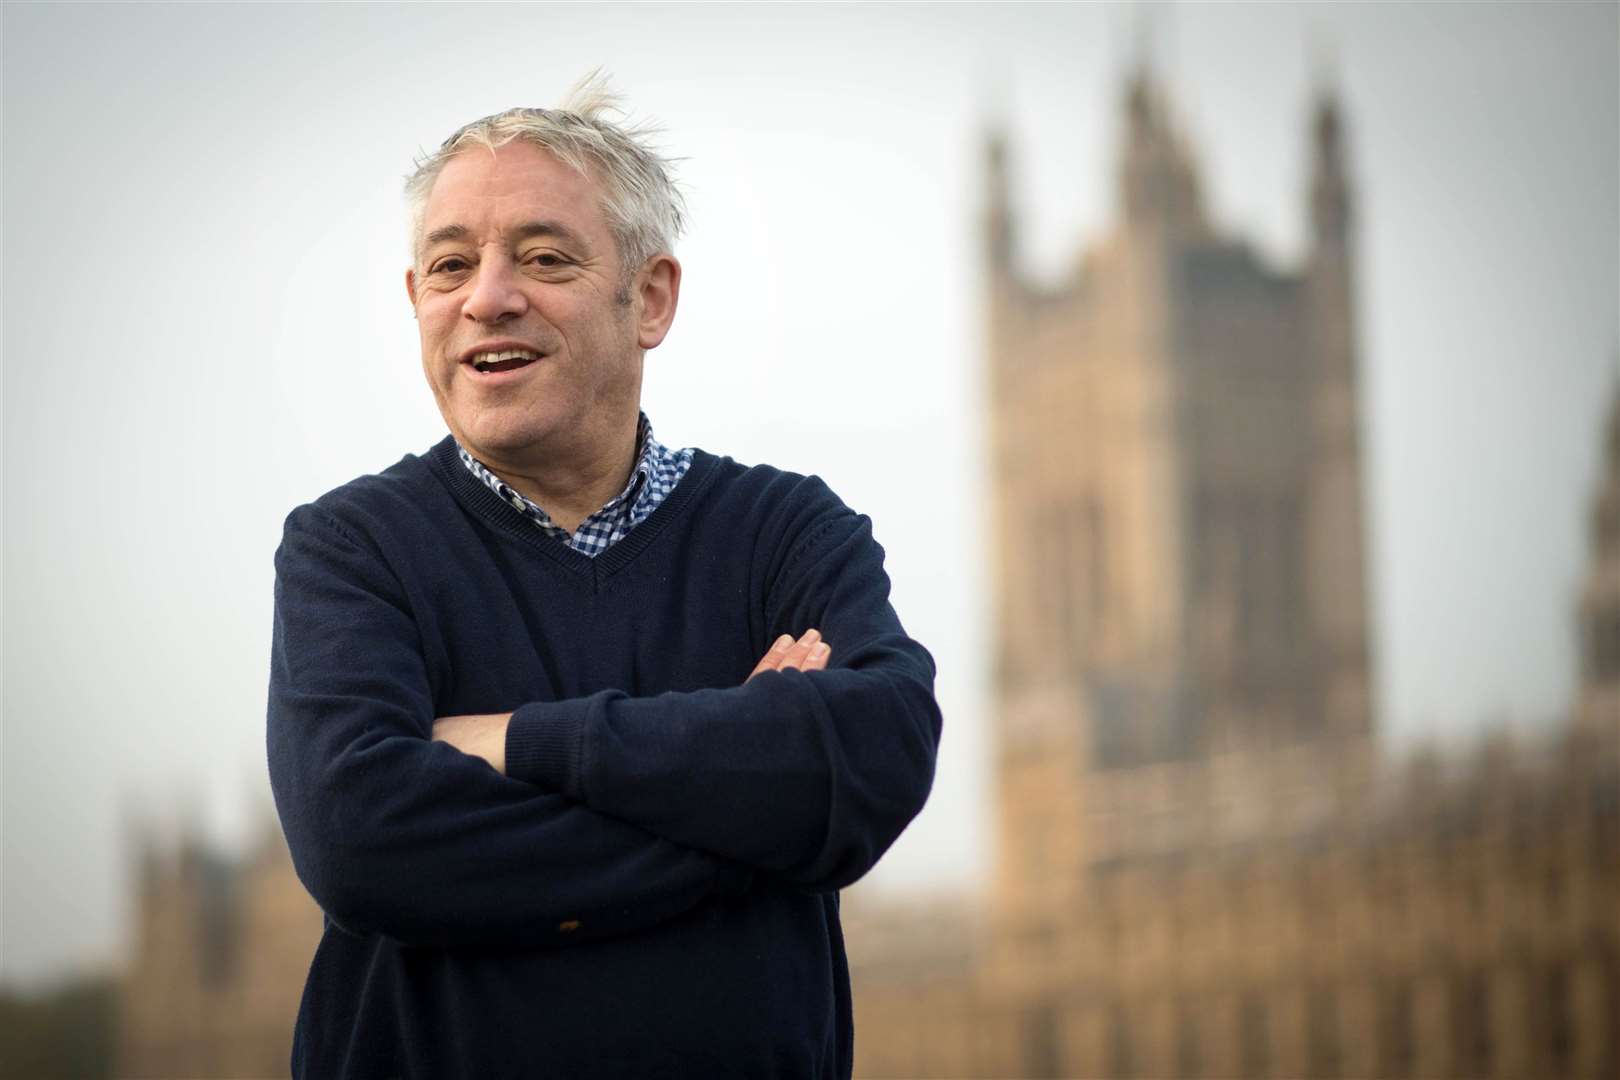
410,285
658,288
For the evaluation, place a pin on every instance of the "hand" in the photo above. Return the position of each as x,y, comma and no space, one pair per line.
809,653
482,736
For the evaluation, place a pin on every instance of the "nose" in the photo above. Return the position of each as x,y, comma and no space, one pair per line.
495,295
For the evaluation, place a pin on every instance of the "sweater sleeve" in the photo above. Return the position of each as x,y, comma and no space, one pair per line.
395,834
809,776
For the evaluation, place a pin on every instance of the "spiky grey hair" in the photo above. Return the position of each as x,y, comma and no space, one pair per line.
640,201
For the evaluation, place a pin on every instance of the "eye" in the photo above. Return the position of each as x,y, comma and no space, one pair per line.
547,260
454,264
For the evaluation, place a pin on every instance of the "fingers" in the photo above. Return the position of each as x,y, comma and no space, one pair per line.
799,652
816,657
773,656
808,653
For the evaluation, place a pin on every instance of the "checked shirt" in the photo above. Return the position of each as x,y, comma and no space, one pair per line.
658,469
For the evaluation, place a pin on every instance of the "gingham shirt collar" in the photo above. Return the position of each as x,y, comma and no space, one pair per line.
658,469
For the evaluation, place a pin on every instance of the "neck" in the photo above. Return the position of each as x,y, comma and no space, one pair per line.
568,489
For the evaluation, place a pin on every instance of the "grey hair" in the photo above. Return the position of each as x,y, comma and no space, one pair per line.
643,207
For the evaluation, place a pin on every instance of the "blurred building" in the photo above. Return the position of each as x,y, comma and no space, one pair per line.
221,949
1205,864
1599,614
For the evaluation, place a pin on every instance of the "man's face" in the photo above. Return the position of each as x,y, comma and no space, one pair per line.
530,342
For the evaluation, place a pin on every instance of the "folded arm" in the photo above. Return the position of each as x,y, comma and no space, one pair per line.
807,775
396,834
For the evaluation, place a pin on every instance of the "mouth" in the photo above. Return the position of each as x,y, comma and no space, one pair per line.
497,362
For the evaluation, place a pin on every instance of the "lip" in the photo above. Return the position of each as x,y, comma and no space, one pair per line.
500,378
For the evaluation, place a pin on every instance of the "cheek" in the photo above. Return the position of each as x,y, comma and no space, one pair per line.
438,370
433,328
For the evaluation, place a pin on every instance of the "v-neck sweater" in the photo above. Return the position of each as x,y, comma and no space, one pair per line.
656,472
652,889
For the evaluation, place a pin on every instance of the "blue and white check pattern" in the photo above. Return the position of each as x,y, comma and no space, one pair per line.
658,469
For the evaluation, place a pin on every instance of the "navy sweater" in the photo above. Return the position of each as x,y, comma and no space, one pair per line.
653,888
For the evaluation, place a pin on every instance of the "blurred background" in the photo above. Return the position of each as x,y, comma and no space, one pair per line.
1235,389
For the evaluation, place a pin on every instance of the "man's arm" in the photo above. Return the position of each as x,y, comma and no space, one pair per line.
483,735
396,834
808,775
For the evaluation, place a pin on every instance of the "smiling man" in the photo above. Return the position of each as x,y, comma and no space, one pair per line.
576,737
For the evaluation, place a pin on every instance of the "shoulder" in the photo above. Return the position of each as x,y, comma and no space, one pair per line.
786,518
770,496
803,546
393,500
769,486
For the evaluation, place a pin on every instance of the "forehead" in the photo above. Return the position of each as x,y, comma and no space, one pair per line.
487,192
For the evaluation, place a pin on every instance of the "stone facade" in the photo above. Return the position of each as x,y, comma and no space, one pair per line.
1280,916
1206,864
221,949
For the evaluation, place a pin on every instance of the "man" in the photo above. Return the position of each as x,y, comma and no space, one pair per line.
557,731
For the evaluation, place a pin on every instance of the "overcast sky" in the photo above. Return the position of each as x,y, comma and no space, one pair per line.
205,324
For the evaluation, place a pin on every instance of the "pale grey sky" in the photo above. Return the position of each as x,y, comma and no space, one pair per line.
204,324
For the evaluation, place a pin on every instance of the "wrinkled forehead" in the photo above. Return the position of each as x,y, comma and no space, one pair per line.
487,192
516,172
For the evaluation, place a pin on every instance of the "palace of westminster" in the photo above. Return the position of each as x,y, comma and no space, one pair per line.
1207,864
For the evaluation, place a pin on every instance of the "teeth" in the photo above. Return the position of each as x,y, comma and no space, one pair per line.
497,357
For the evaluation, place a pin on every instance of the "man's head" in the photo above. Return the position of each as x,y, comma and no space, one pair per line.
639,199
541,271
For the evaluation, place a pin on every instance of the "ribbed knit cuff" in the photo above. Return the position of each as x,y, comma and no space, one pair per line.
542,745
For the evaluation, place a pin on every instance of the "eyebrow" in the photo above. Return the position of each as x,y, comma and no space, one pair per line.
526,231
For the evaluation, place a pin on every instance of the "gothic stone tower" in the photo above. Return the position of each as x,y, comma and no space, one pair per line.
1177,491
1201,870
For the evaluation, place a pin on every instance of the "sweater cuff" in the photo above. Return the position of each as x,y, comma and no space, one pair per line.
542,745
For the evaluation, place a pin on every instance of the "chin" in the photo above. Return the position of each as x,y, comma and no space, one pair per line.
501,440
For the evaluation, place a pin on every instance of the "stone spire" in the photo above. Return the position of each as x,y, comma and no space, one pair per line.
999,238
1330,189
1158,182
1335,537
